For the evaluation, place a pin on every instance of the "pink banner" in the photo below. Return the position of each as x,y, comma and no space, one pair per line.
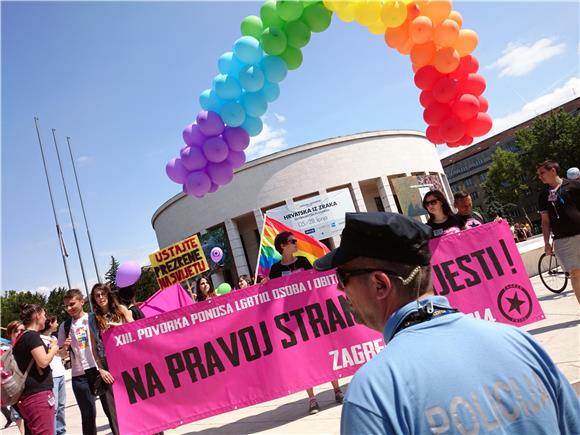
482,274
168,299
247,347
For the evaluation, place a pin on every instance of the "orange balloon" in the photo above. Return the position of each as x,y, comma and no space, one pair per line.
422,54
437,10
396,37
446,60
466,42
406,48
413,11
456,16
421,30
446,33
416,68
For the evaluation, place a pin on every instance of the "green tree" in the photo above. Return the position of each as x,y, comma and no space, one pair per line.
55,304
504,183
11,300
146,286
111,275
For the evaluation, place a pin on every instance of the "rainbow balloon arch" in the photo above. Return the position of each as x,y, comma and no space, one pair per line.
429,31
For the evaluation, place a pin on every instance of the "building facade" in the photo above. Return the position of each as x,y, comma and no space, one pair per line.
467,169
365,170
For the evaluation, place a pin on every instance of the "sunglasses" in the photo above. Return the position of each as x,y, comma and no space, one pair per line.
293,241
343,275
432,202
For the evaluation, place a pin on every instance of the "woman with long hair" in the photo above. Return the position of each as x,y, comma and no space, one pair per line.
59,388
204,289
108,313
36,404
442,220
245,281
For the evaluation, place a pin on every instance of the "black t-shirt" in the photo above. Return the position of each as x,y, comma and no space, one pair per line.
472,220
137,313
563,207
278,269
38,379
453,222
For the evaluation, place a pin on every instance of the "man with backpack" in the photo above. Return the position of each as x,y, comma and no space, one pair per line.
74,338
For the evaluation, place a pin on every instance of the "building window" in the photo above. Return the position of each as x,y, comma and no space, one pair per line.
379,204
475,195
483,176
468,182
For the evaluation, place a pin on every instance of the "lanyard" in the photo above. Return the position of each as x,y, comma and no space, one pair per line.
420,317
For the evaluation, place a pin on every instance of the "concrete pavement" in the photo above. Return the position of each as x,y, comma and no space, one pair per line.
559,333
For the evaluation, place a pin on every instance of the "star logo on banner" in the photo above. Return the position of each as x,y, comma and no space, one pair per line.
515,303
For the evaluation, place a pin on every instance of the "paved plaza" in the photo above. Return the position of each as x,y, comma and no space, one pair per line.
559,333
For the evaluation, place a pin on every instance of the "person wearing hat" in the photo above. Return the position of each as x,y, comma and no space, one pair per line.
559,206
440,371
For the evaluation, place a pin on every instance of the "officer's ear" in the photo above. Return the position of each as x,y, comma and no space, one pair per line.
383,285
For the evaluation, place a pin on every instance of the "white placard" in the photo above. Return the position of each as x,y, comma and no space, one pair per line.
320,217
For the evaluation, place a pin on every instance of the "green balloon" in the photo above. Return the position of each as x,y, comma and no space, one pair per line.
223,288
269,15
289,10
293,57
252,26
274,41
298,34
317,17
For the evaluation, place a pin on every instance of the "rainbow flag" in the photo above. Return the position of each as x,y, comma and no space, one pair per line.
307,246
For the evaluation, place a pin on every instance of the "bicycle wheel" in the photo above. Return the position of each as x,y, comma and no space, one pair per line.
551,274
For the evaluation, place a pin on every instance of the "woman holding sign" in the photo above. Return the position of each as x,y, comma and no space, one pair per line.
108,313
441,219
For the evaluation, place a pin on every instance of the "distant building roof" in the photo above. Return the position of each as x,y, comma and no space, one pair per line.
570,106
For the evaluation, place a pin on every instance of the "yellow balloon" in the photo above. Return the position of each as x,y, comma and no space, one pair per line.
393,13
346,13
378,28
330,5
367,12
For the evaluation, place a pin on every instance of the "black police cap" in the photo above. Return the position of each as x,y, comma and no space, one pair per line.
381,235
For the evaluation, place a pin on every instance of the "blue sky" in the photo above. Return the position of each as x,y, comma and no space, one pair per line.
122,79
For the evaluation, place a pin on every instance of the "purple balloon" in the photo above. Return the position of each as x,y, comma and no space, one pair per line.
198,183
210,123
237,138
192,135
128,273
214,187
192,158
176,171
236,159
215,149
220,173
216,254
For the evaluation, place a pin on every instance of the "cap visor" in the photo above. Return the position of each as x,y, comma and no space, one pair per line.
334,258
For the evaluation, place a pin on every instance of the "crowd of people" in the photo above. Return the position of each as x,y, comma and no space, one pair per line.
43,357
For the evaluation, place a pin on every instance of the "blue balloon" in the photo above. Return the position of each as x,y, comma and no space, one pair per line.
233,114
210,101
248,49
252,125
274,68
252,78
270,91
228,63
227,87
254,103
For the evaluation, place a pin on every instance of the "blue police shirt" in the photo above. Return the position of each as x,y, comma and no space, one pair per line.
455,374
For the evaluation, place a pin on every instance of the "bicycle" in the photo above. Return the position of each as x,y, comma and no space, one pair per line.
551,273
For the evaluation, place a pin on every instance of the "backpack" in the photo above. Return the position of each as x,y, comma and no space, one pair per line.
13,380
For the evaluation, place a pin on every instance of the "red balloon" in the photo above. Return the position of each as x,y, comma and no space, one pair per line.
452,129
467,65
465,140
473,84
466,106
426,77
483,104
426,98
436,113
445,90
433,135
479,125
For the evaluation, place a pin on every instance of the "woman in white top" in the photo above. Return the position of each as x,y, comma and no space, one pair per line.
57,367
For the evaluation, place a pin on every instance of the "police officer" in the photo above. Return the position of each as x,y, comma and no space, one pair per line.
441,372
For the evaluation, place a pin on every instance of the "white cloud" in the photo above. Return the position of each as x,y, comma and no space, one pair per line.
84,160
519,59
45,290
569,91
272,139
280,118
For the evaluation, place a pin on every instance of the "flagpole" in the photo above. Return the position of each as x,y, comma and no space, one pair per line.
83,208
58,231
260,249
71,217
